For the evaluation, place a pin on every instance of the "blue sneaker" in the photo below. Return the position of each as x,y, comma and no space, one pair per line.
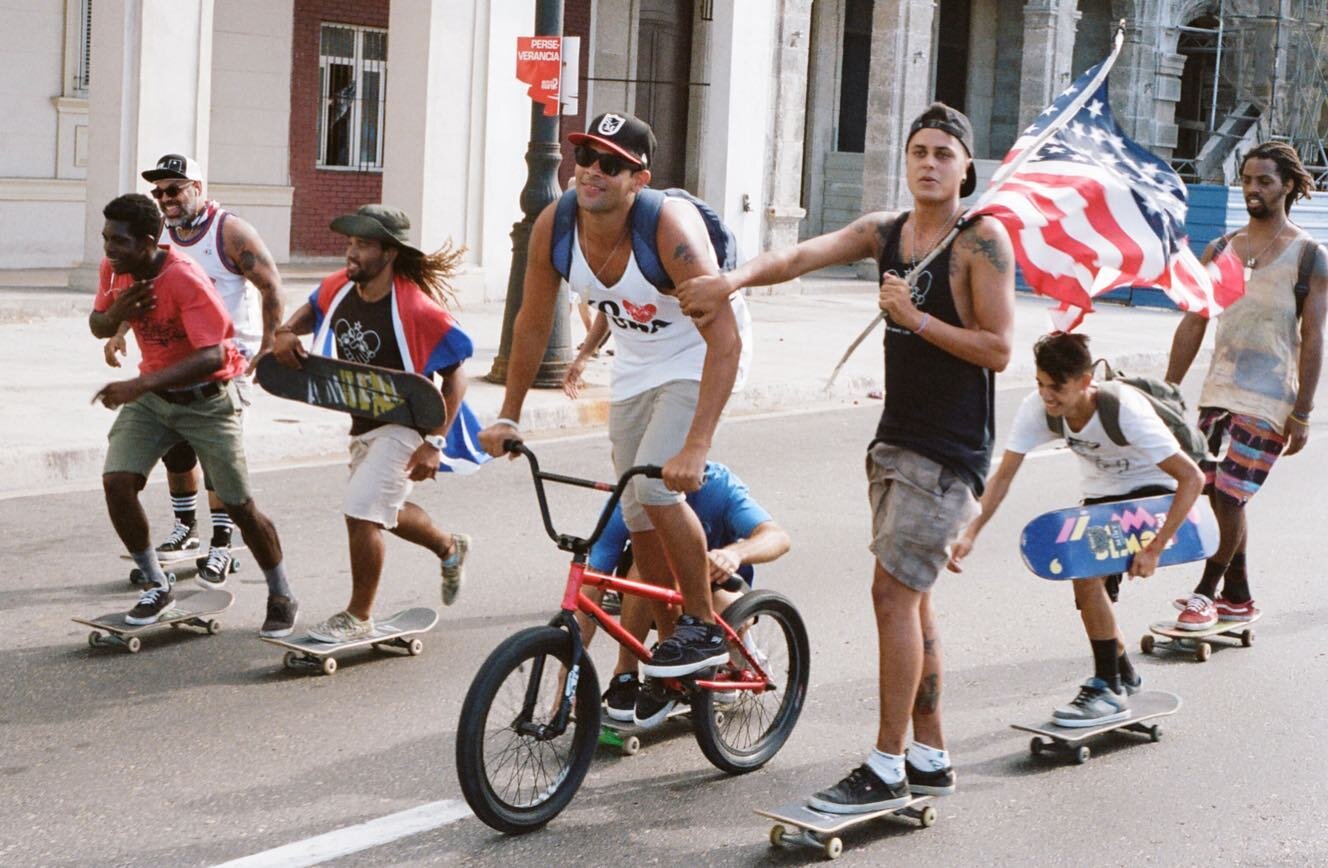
1096,704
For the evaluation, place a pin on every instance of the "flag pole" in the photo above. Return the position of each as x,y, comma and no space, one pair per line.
1001,174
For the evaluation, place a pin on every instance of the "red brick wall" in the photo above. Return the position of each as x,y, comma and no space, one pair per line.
322,194
576,22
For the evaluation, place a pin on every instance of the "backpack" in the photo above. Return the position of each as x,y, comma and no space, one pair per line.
1303,272
1165,398
644,219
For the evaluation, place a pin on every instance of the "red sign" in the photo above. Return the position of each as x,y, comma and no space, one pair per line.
539,64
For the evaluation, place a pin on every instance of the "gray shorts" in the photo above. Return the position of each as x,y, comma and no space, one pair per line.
649,428
918,509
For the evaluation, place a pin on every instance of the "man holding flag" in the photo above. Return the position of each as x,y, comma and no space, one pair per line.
949,313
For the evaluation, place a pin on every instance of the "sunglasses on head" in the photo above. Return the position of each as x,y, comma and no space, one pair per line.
609,164
172,191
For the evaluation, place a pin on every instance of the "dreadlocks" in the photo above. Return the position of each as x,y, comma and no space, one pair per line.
1289,168
430,272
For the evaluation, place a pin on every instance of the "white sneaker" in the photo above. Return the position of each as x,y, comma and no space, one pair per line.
342,627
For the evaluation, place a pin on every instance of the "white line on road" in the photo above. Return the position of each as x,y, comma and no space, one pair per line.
353,839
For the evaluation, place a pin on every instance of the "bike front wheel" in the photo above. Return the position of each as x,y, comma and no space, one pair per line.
515,777
742,734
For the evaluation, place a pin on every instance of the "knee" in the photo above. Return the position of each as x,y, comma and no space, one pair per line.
891,597
356,526
180,458
120,486
243,514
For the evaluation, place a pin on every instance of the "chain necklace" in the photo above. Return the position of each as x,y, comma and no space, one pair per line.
945,227
1254,260
596,272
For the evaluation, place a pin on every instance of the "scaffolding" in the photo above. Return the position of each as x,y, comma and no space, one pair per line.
1269,83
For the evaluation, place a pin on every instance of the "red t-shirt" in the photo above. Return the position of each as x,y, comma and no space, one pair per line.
188,316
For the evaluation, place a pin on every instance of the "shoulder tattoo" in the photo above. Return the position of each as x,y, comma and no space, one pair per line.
975,244
683,253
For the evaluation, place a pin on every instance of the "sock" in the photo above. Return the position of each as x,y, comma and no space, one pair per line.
185,507
222,528
889,767
1126,668
1213,571
146,561
1236,584
1104,662
276,581
926,758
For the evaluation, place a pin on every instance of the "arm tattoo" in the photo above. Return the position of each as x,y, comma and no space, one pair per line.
683,253
988,248
929,695
247,260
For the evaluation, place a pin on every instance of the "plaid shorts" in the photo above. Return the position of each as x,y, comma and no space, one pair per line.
1251,446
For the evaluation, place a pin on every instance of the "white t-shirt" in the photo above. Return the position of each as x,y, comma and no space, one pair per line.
1108,470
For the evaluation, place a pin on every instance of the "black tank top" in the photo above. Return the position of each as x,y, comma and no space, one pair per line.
935,404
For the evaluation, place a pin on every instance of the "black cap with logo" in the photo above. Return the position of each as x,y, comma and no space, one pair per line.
625,135
940,116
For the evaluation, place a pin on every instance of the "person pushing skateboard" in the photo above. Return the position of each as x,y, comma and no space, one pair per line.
1259,392
1151,464
184,393
387,308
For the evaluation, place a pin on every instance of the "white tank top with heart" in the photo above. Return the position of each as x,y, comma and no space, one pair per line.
654,341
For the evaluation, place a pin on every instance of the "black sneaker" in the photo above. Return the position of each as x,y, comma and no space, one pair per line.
280,616
939,782
611,603
154,601
860,792
213,569
654,701
183,538
693,646
620,698
1132,687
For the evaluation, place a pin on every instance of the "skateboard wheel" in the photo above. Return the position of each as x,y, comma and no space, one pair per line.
1146,643
928,817
213,626
134,644
1247,638
1154,733
291,660
833,848
719,718
329,665
1036,746
136,577
94,639
777,836
170,578
235,565
631,745
1202,651
1081,754
416,647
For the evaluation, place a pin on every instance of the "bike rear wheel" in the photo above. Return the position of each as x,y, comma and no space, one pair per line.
743,735
517,781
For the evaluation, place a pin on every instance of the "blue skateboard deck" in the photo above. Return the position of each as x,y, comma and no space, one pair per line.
1085,542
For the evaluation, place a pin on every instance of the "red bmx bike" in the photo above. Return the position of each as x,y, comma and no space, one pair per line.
531,719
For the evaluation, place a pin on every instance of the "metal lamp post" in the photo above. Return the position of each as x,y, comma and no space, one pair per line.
542,158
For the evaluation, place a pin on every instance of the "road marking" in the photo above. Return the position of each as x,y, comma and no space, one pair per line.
353,839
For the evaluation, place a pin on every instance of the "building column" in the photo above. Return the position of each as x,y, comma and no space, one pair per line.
783,210
901,87
1049,27
150,94
1132,81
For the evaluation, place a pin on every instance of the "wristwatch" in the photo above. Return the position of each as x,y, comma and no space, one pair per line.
437,441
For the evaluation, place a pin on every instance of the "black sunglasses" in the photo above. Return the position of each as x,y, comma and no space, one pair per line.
162,192
609,164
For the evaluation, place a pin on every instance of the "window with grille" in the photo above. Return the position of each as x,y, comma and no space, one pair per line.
78,48
352,76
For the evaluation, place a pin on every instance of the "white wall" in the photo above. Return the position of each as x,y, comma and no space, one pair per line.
31,69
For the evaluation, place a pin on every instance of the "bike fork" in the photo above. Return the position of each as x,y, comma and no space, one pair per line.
556,727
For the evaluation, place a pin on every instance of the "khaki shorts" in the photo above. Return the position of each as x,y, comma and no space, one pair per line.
378,485
650,428
146,429
918,509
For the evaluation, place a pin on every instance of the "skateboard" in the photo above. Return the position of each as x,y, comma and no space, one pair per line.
381,394
1050,737
626,735
812,826
189,609
309,654
1085,542
191,560
1189,640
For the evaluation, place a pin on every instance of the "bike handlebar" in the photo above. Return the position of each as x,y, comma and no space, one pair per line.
573,544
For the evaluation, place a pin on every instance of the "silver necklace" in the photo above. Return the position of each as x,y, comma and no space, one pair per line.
1254,260
596,272
945,227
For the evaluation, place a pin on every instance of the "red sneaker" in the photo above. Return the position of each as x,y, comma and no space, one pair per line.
1229,611
1199,614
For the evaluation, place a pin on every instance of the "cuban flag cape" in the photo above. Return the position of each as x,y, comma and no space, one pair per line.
430,340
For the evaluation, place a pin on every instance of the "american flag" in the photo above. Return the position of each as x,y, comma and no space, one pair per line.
1088,211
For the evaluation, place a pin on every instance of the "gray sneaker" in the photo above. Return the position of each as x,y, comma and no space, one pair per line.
1096,704
342,627
280,619
454,568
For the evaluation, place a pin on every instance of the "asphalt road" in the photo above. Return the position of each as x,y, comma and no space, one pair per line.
201,749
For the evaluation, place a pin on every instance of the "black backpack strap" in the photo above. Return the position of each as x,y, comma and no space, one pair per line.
1220,243
1309,253
1108,410
1055,424
890,244
564,222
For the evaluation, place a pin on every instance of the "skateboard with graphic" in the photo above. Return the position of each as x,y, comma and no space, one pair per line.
380,394
1085,542
188,610
310,655
1068,741
179,564
1197,642
811,827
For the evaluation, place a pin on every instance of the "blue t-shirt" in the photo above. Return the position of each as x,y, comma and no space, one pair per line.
722,503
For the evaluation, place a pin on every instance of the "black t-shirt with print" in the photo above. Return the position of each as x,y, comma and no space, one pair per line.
363,332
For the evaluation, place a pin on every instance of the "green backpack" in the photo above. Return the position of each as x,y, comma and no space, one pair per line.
1165,398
